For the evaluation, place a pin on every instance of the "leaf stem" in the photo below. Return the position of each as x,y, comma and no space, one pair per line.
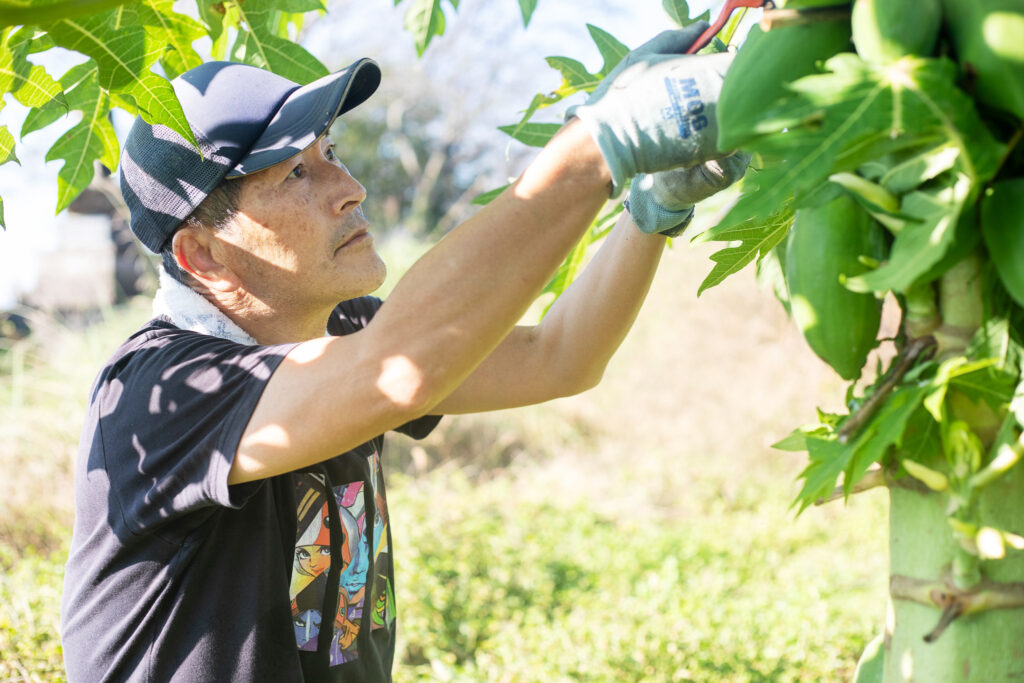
1013,142
734,23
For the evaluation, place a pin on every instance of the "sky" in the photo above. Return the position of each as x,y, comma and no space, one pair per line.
29,191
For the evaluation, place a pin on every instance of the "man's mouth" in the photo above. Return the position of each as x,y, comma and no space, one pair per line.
356,237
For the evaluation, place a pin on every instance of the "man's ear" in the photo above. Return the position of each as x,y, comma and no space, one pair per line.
194,253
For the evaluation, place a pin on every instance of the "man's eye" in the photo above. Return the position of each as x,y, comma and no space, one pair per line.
297,172
329,153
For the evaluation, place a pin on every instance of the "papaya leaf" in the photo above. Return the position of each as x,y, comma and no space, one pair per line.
527,7
178,30
489,196
73,78
985,381
922,242
283,57
997,339
612,51
124,54
3,224
830,458
575,76
756,239
540,100
122,51
300,6
679,12
920,440
577,259
217,17
835,121
29,83
532,134
770,273
424,20
7,147
912,172
263,48
885,430
91,139
34,38
567,272
796,440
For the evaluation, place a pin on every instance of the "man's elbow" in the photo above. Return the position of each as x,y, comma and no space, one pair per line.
577,380
405,385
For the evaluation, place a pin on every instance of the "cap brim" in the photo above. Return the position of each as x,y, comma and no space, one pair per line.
307,112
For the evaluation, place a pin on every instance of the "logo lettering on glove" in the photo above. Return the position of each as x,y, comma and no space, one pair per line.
686,106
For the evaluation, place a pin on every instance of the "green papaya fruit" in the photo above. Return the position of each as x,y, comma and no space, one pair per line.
825,245
886,30
989,40
1002,226
765,64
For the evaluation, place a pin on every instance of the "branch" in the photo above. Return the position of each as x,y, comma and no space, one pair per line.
955,602
1009,150
908,356
873,478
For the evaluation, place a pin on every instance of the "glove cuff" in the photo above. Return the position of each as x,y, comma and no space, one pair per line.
615,154
653,218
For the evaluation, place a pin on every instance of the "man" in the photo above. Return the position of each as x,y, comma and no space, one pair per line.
219,534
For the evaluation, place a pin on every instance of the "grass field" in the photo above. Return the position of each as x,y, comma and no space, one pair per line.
641,531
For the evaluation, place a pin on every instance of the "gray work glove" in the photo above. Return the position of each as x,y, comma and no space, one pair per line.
656,109
663,202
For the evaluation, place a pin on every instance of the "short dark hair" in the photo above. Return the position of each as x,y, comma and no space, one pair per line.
215,212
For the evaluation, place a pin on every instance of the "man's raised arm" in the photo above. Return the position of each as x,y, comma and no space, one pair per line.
463,297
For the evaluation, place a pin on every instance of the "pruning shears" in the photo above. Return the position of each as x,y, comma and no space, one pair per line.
723,17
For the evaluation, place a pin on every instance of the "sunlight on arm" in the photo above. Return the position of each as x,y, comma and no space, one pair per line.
400,380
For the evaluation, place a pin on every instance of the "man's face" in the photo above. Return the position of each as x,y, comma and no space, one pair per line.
300,237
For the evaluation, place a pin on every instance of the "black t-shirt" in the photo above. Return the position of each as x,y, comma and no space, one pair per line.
175,576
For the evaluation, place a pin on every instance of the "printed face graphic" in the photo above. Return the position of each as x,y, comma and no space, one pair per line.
313,560
307,628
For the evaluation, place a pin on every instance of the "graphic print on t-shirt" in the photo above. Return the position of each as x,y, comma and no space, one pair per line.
313,559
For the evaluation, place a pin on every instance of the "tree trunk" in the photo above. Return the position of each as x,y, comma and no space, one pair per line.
986,646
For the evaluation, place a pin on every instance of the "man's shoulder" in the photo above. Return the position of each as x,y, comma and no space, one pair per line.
160,334
159,349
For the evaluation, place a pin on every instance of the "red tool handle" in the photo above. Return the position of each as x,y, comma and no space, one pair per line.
730,7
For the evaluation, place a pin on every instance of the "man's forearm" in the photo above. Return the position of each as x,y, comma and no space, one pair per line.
568,351
481,278
451,309
591,319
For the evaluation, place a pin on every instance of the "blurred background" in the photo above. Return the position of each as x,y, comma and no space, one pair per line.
642,531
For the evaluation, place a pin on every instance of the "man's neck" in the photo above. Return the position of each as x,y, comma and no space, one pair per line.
234,315
268,326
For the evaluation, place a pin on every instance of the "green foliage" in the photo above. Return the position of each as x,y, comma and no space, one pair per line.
30,586
426,19
704,579
563,592
899,131
130,50
679,12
